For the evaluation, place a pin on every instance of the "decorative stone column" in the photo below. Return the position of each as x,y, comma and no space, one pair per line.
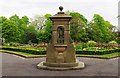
60,51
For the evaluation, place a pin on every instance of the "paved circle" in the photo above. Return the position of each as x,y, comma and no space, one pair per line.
18,66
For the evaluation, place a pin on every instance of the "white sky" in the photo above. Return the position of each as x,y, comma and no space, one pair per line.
106,8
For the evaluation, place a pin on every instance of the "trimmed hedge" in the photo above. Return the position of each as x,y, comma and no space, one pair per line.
26,50
43,51
98,52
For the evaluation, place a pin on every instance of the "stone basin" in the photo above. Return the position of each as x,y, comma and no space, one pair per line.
60,48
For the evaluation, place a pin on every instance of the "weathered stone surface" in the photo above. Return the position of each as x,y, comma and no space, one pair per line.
61,66
60,51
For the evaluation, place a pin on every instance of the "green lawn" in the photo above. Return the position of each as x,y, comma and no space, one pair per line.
27,55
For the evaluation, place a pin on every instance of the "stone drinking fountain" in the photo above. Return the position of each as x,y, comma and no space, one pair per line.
60,51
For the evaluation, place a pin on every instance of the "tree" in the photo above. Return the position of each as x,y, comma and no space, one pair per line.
100,30
21,24
24,20
2,20
78,26
10,31
38,22
30,35
46,33
16,20
41,37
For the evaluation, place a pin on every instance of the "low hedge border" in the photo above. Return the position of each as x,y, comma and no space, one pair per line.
38,56
42,52
22,55
98,52
94,56
31,51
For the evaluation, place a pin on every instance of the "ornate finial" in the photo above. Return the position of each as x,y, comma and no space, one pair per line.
61,8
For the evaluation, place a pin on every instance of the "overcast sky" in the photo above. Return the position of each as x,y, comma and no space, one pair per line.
106,8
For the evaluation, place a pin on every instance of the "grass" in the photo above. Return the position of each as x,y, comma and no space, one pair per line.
27,55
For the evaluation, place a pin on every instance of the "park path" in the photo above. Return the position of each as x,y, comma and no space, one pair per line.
18,66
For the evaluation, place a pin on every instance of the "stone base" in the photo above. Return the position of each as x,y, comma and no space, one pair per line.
61,68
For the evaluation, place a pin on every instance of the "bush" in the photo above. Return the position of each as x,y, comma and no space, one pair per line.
113,42
81,46
84,45
117,40
92,48
78,47
11,43
91,43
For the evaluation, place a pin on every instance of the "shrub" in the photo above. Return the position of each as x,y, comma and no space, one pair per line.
112,42
11,43
91,43
78,47
92,48
85,49
84,45
81,46
117,40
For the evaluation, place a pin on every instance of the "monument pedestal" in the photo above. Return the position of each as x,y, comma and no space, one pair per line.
61,66
61,57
